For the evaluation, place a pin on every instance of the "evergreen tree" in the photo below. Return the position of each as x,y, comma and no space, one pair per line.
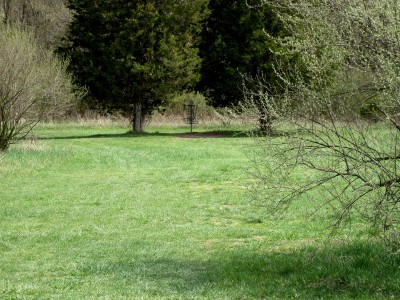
131,54
236,41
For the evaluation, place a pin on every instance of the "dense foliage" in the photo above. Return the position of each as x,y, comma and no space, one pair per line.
236,41
133,54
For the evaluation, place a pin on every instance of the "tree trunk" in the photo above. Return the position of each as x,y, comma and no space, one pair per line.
24,12
138,118
7,10
265,121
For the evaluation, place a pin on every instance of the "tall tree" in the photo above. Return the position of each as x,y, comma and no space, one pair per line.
132,54
236,42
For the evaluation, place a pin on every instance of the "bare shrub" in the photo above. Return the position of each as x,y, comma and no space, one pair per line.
346,56
33,85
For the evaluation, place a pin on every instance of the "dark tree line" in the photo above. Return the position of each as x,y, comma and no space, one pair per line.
133,55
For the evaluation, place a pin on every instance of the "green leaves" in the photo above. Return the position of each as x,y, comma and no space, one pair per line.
128,52
236,42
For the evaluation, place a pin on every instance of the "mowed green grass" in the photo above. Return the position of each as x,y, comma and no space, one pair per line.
91,212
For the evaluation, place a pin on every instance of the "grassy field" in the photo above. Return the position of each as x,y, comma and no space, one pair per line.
94,212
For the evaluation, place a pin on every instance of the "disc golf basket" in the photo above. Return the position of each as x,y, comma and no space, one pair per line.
191,114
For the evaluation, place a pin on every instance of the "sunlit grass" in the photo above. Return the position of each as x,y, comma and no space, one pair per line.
95,212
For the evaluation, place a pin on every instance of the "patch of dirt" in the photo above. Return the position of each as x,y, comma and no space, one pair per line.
203,135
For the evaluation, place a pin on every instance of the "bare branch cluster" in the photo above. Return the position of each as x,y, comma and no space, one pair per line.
341,98
33,85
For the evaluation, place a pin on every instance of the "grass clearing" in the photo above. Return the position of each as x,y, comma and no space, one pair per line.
92,212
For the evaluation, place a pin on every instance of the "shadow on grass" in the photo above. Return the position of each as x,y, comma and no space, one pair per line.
130,134
363,271
103,136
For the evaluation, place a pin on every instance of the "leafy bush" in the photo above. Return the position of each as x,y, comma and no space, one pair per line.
177,105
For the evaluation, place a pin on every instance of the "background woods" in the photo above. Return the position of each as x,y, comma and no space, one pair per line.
48,19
